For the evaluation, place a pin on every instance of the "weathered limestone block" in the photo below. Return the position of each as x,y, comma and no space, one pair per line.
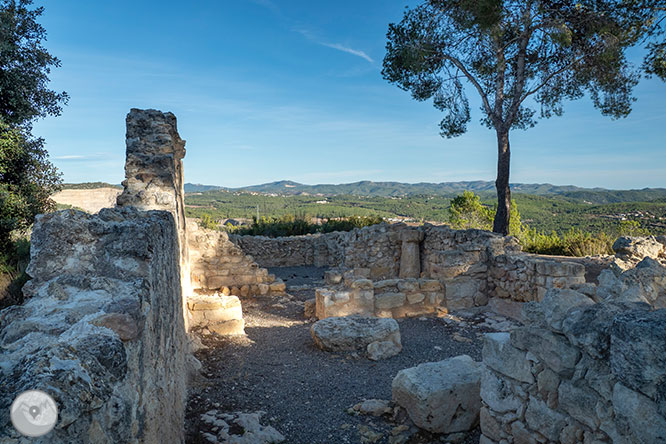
644,283
554,268
410,259
547,421
461,292
551,348
589,326
334,303
501,356
441,397
332,277
638,417
356,333
219,313
386,301
638,342
310,308
499,393
102,329
230,327
579,402
558,302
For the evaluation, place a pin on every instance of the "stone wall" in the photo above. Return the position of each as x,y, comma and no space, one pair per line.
472,265
374,251
391,298
578,372
318,250
527,277
460,259
154,175
101,329
218,265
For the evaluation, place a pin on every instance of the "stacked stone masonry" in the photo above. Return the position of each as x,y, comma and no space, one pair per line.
218,265
101,330
578,372
390,298
471,265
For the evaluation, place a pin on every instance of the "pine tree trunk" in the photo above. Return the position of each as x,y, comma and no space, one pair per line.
501,223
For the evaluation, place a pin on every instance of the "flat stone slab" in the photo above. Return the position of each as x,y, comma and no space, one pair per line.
441,397
358,333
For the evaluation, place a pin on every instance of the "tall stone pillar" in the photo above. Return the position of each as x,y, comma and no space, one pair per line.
154,175
410,256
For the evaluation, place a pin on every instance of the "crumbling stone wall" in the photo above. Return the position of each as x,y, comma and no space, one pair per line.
154,175
373,252
578,372
218,265
101,329
527,277
319,250
472,265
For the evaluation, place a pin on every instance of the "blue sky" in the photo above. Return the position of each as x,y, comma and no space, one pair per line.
267,90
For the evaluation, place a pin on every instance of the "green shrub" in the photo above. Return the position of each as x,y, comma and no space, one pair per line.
466,211
632,228
14,260
349,223
291,225
572,243
207,222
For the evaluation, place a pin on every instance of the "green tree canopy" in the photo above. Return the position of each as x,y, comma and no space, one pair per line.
524,59
25,65
467,211
27,178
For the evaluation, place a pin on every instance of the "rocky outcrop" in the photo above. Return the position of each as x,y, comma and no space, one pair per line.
102,328
441,397
644,283
380,338
631,250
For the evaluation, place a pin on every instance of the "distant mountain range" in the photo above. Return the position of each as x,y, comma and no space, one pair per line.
399,189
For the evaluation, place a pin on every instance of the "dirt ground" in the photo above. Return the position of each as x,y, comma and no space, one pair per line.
306,393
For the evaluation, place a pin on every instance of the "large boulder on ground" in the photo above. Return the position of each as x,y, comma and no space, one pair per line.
380,337
441,397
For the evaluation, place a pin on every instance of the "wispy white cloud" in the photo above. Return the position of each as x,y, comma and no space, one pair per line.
70,157
82,157
310,36
355,52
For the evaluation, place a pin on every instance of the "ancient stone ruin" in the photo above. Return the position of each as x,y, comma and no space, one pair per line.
118,299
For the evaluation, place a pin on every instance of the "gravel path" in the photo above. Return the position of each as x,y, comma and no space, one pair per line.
306,392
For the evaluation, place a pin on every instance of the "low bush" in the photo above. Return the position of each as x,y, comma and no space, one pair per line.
572,243
14,260
291,225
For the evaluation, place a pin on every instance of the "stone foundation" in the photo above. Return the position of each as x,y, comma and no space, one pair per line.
101,330
391,298
216,313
